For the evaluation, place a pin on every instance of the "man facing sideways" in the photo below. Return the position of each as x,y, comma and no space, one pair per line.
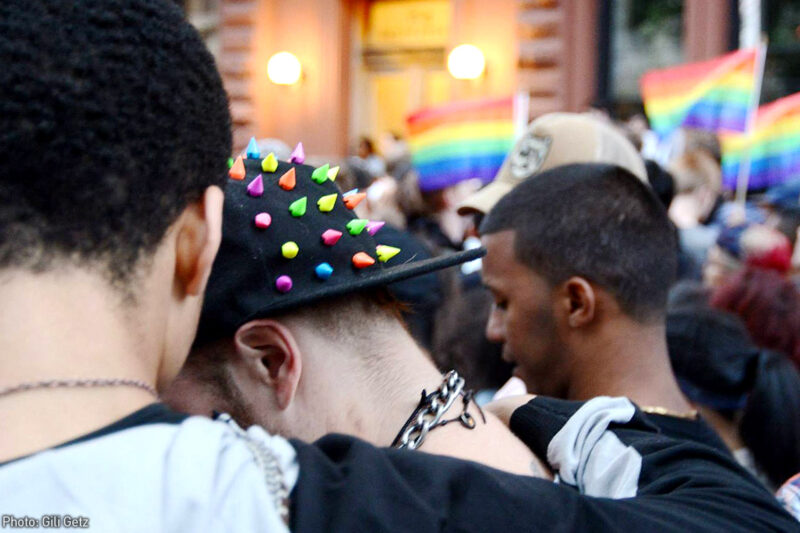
579,260
329,352
114,130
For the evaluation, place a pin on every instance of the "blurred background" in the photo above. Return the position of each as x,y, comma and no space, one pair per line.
365,65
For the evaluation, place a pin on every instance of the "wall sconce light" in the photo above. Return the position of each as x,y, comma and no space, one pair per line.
466,62
284,68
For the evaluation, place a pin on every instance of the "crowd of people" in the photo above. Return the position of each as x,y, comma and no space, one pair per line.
198,342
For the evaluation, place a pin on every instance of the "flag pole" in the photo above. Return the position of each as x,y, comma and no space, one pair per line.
743,179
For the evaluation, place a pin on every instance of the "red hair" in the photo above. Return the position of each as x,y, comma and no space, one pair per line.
768,304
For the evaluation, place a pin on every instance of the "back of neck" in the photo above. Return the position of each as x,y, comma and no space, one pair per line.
631,361
385,400
65,325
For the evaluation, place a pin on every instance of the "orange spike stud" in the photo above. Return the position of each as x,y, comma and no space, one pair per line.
237,171
288,180
354,199
362,260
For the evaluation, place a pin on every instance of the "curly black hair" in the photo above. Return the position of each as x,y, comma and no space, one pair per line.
113,119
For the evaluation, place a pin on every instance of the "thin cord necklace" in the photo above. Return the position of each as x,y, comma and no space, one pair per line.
78,383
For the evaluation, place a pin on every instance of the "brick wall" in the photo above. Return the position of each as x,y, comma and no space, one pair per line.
235,63
557,53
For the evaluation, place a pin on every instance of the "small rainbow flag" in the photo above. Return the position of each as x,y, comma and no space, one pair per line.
460,141
714,95
774,146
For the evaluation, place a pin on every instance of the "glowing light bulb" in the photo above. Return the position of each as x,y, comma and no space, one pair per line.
284,68
466,62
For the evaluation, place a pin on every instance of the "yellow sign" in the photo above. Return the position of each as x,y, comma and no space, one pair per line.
409,23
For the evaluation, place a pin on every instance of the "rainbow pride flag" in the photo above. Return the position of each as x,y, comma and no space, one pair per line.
774,146
713,95
460,141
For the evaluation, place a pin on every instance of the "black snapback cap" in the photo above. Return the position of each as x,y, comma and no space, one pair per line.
290,237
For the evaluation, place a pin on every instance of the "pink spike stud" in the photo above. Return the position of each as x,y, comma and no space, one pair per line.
373,227
331,237
256,187
298,155
263,220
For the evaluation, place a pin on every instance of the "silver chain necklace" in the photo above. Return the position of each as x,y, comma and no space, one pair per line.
78,383
431,408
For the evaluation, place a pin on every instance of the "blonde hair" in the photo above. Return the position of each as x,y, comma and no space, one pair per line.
696,169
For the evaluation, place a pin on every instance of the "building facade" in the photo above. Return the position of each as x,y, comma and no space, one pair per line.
368,63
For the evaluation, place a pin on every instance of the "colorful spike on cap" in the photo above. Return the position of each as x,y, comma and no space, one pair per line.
331,237
237,171
327,202
263,220
356,226
320,175
348,193
373,227
288,180
283,284
256,187
252,149
270,163
298,207
362,260
332,173
298,155
354,199
386,252
289,250
323,271
230,162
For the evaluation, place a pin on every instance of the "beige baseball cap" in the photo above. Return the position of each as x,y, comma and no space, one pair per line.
552,140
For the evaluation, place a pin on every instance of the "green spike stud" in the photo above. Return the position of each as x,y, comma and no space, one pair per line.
298,207
320,175
356,226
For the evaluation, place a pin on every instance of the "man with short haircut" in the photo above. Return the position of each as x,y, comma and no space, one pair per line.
579,260
329,352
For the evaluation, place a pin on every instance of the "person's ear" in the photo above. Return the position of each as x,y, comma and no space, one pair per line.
580,301
271,356
197,242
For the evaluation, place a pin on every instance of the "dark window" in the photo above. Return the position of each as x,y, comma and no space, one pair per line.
781,23
635,37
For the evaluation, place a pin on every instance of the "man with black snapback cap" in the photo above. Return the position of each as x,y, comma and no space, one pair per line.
114,128
299,335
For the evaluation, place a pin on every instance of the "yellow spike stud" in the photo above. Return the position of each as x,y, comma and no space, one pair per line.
327,202
270,163
386,252
289,250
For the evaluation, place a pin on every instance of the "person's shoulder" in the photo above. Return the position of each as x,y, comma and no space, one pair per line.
199,474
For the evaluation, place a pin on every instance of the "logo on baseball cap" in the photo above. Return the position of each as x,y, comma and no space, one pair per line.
553,140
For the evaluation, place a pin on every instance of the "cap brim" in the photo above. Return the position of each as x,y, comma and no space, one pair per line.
484,200
382,277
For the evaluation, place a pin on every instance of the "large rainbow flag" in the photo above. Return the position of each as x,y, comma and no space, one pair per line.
714,95
774,146
460,141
